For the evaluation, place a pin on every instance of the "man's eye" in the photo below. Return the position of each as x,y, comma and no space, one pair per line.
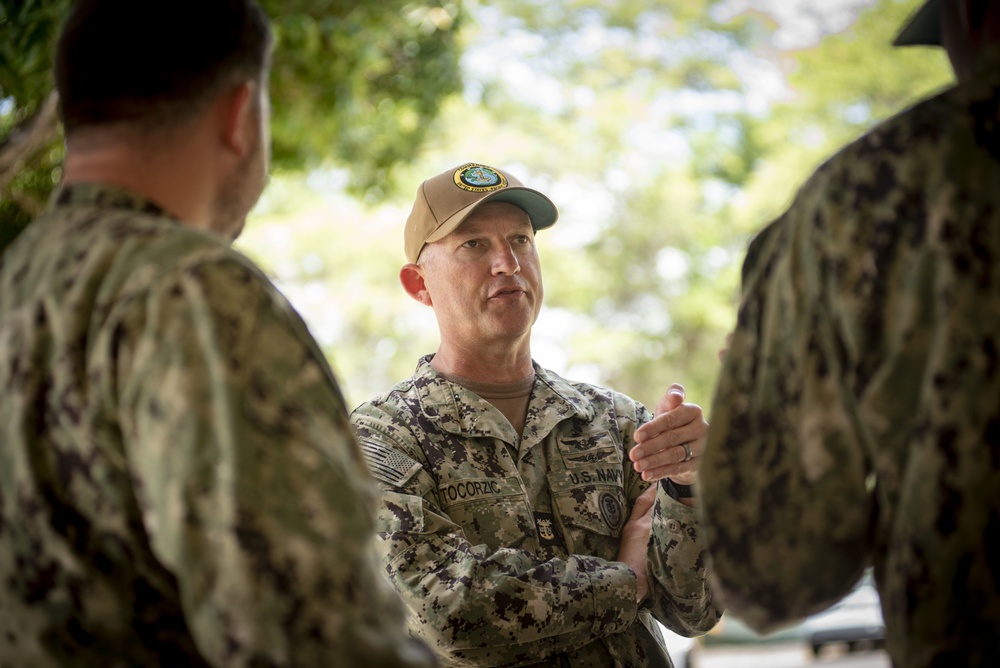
471,243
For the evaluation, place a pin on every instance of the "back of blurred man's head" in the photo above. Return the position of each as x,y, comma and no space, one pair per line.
153,64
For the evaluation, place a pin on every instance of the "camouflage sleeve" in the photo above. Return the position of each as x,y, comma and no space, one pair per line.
783,482
251,487
475,605
677,564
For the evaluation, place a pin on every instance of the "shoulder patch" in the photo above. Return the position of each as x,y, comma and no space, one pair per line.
386,464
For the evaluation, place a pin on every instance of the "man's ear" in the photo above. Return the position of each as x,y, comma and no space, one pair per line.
412,278
238,120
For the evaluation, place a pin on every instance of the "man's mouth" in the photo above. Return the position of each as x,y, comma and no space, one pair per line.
507,292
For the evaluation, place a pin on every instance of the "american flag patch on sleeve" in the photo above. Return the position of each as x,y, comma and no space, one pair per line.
388,465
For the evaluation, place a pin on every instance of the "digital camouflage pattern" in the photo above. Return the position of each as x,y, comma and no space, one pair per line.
857,418
503,548
178,481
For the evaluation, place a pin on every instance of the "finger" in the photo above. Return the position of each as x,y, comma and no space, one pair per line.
673,471
684,416
673,419
671,456
673,466
673,398
668,439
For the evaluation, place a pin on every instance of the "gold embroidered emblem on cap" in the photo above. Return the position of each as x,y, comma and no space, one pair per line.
479,178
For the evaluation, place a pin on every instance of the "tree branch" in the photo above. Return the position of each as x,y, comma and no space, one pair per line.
26,138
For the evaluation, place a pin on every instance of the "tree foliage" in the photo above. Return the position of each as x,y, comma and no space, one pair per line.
695,154
353,83
666,131
358,82
26,30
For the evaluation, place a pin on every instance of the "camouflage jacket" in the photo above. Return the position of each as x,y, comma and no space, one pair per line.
857,417
179,485
504,547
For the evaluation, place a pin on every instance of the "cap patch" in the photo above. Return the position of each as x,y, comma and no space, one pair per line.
479,178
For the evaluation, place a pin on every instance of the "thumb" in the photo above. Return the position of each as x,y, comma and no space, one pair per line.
671,400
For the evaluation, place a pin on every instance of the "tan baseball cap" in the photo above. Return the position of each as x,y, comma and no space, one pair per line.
447,199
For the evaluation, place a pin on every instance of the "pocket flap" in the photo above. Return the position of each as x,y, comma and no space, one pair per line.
591,498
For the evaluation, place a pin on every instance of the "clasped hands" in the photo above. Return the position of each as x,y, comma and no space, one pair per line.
670,445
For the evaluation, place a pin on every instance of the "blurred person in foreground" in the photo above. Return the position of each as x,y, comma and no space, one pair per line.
520,521
179,485
857,418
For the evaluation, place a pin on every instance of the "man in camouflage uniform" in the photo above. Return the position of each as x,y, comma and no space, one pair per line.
857,418
518,519
179,485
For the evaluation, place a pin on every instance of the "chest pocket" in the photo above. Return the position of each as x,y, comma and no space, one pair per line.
491,511
590,504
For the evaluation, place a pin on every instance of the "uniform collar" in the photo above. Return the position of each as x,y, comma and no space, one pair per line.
560,397
105,196
459,411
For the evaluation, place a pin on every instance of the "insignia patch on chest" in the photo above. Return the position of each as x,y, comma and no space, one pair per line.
547,530
388,465
611,509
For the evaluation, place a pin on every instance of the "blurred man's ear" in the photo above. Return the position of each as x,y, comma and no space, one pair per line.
411,276
238,117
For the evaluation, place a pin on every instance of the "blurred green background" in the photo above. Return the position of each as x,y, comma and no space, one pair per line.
666,131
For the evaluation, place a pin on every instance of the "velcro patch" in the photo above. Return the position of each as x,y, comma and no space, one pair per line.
611,509
460,491
387,465
548,530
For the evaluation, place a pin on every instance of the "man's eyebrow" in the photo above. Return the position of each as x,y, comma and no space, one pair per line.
522,228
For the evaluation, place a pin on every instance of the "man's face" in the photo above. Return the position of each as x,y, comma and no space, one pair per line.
484,279
241,190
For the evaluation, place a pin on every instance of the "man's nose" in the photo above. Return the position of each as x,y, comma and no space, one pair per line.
505,261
